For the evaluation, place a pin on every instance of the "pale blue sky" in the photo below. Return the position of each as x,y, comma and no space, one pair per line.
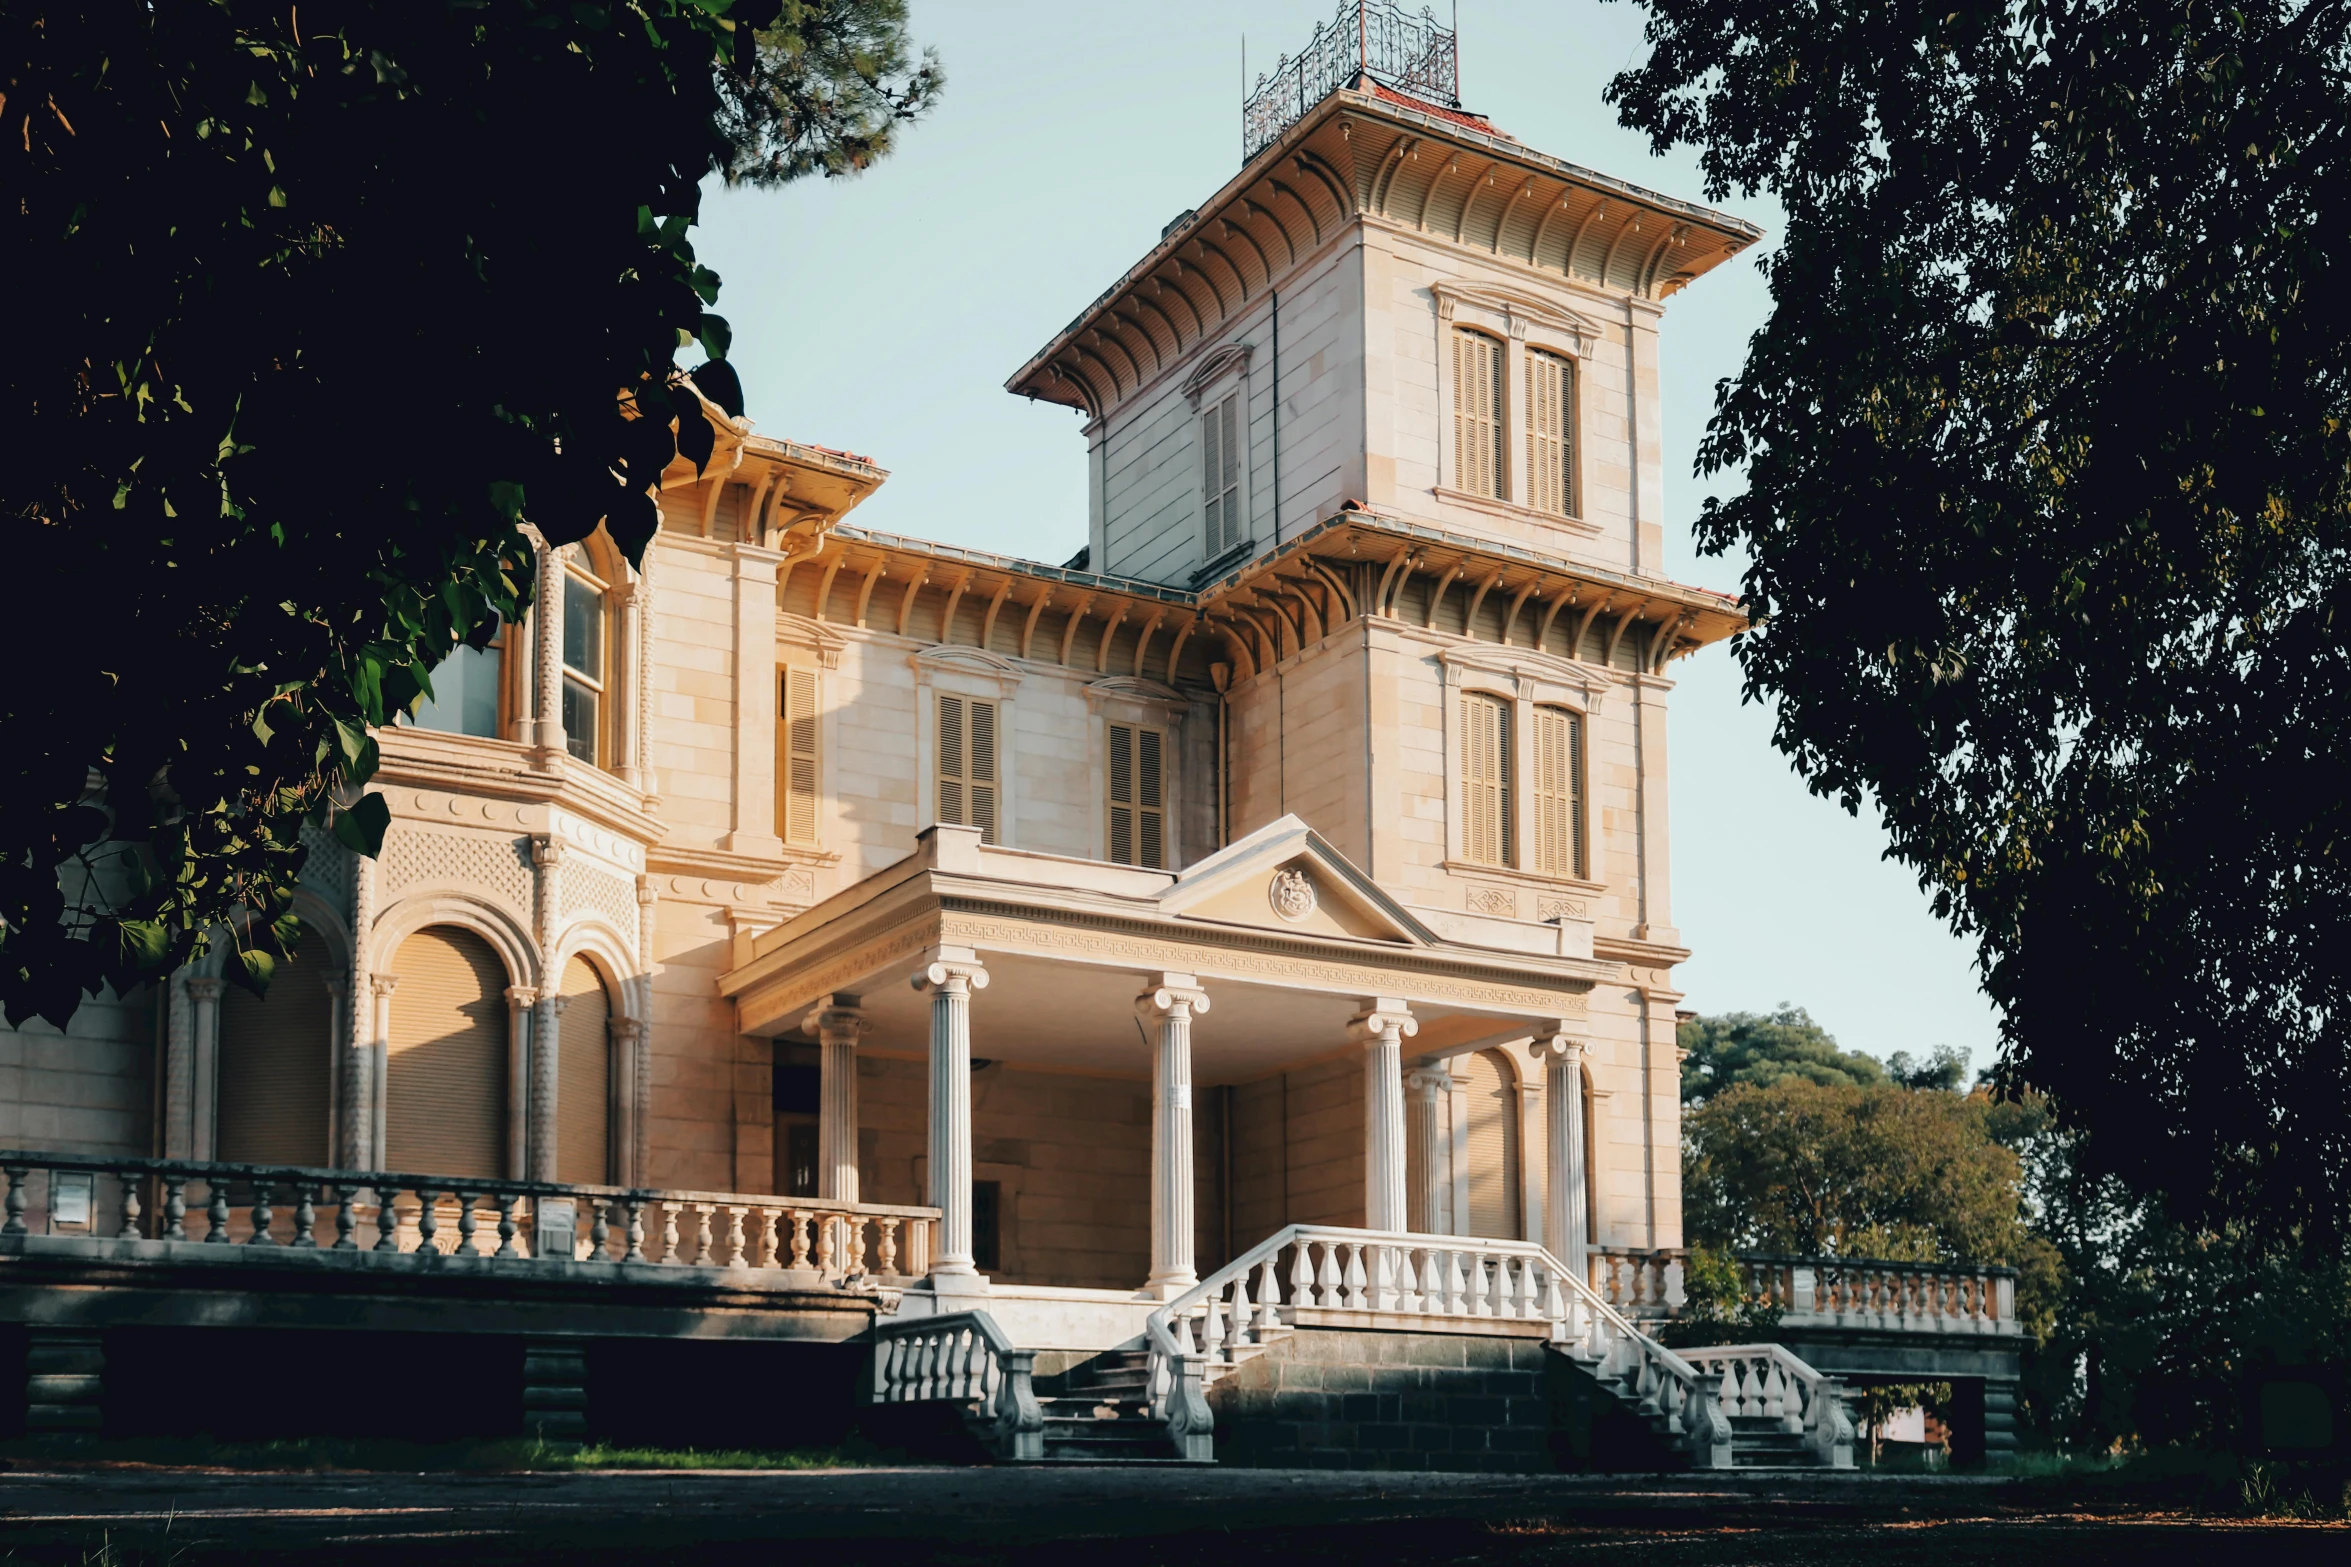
883,314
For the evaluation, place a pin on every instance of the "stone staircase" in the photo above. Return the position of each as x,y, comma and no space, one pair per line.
1758,1441
1098,1412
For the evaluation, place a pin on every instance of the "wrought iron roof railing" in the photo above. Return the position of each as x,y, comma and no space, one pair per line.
1373,38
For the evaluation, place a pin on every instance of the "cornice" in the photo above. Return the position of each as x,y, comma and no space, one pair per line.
504,770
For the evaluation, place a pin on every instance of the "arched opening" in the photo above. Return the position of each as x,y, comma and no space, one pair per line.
1493,1148
445,1094
274,1070
583,1088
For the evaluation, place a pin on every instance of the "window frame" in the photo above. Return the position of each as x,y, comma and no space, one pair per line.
1505,783
1140,704
976,675
1527,684
818,753
1569,438
1499,343
599,685
1142,813
1576,794
1233,459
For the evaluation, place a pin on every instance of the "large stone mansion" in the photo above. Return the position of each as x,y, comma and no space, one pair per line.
1147,978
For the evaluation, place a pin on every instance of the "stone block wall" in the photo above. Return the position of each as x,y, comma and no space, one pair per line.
1333,1399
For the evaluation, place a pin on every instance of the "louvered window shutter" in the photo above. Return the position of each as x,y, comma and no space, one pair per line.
1122,794
983,769
445,1079
1220,473
1550,422
1477,413
797,759
951,792
1485,779
1559,792
1138,814
272,1068
1493,1149
583,1079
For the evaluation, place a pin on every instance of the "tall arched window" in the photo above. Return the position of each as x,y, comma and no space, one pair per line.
445,1105
583,1087
1493,1151
274,1067
1486,804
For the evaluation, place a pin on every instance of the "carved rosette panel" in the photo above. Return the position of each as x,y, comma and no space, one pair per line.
496,867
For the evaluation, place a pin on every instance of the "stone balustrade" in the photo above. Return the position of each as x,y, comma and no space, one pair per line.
131,1201
1310,1275
963,1358
1765,1382
1825,1292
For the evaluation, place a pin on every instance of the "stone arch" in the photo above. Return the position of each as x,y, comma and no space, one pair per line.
1494,1146
408,915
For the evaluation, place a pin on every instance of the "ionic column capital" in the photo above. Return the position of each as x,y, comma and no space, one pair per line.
1557,1045
1383,1020
954,970
838,1020
1170,997
1429,1081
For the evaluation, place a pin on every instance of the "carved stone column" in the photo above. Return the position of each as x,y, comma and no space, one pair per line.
179,1070
1168,1009
357,1150
837,1021
379,1066
204,1054
1381,1028
631,599
546,1075
629,1035
1430,1089
1563,1097
951,976
547,668
519,1001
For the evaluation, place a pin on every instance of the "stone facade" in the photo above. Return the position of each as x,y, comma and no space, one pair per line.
690,804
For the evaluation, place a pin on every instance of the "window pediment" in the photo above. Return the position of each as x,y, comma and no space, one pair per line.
972,662
1231,359
1517,310
1132,691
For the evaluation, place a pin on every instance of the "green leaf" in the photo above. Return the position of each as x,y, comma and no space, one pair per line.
356,750
252,969
146,945
715,335
360,827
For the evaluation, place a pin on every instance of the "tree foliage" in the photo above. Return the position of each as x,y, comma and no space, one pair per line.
1837,1170
2047,444
320,308
1761,1048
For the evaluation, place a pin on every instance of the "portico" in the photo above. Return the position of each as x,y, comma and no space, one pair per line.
1022,973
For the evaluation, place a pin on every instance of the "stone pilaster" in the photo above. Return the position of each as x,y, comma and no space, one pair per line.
204,1056
520,999
546,1078
837,1022
1167,1010
547,666
951,975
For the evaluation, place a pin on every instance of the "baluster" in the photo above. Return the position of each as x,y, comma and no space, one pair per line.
1407,1276
216,1213
130,1209
387,1221
263,1215
1554,1306
1432,1283
175,1208
826,1250
506,1228
465,1224
702,1216
1456,1288
1775,1393
768,1246
1329,1280
1526,1290
428,1219
1301,1275
1242,1311
305,1217
1183,1334
1269,1299
1212,1330
1615,1296
636,1228
889,1246
18,1175
735,1256
853,1225
1352,1278
600,1230
346,1222
669,1232
800,1238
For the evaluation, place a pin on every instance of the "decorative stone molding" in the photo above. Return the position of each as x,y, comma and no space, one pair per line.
1501,902
1291,892
1517,310
1231,359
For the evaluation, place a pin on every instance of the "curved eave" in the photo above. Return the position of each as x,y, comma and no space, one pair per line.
1356,155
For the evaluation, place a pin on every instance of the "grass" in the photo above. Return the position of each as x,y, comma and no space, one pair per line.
513,1456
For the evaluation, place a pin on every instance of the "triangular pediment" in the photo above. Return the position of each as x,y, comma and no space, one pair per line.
1285,877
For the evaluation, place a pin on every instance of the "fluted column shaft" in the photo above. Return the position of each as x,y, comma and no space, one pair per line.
1381,1028
837,1024
1167,1010
1429,1088
951,978
1563,1102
